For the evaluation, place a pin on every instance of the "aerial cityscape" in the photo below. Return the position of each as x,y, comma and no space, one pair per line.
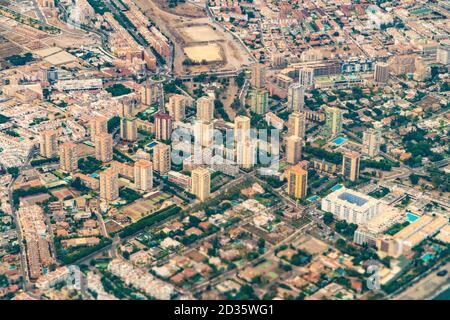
224,150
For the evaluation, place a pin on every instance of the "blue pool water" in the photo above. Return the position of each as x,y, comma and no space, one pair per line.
94,175
152,144
339,140
427,256
411,217
336,187
313,198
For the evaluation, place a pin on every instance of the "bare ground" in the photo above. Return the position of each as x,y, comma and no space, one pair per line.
172,25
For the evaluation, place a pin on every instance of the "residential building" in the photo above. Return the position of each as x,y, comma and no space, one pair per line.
203,133
443,54
381,74
177,107
68,159
297,124
402,64
273,120
161,158
259,101
126,108
143,175
297,185
99,124
306,77
151,92
333,121
104,147
201,183
245,154
323,166
109,185
296,97
241,128
258,79
128,129
293,149
350,165
180,179
163,126
371,142
205,109
123,169
48,144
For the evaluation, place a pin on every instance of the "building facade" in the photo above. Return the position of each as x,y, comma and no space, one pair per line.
201,183
297,185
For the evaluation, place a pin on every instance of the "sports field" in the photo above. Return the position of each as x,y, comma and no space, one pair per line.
208,53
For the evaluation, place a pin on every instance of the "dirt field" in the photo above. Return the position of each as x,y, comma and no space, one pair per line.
7,48
208,53
186,31
312,245
112,226
201,33
38,198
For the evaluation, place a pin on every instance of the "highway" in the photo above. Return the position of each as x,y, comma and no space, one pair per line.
39,14
218,74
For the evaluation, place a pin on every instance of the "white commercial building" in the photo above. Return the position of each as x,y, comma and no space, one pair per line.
351,206
85,84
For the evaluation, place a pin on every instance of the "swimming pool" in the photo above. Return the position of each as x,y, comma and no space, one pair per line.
339,140
411,217
152,144
427,257
313,198
336,187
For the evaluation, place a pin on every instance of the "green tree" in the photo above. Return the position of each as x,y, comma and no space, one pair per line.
328,218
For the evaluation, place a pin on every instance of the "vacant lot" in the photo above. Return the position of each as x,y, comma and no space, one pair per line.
185,9
312,245
201,33
7,48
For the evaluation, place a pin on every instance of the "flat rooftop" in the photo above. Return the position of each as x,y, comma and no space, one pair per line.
353,199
